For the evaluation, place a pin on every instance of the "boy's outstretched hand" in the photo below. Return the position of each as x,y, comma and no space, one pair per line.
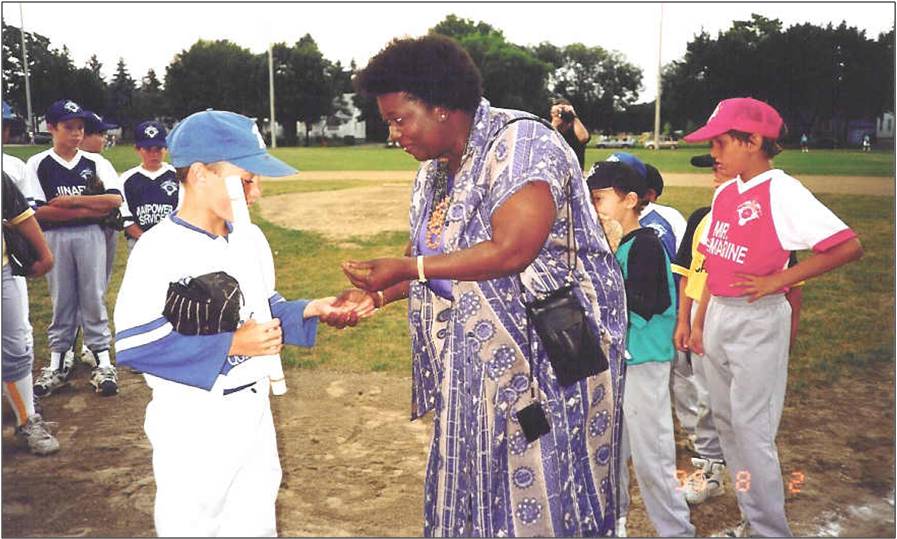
345,310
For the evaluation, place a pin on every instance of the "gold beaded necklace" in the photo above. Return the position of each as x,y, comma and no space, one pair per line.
436,223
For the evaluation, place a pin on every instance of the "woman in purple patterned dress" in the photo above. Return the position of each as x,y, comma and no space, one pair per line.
491,203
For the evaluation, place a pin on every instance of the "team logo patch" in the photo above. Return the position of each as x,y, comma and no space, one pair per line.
151,131
748,211
86,174
71,106
169,186
658,229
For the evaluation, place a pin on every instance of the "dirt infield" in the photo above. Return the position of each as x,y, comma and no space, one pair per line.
353,465
383,206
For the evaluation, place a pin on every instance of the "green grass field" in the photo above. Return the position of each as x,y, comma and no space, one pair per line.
377,157
847,321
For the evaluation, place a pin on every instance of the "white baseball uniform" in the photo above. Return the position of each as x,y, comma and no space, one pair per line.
215,456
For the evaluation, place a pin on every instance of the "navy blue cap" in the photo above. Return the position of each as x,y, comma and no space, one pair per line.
8,114
618,175
150,134
94,123
65,109
211,136
630,160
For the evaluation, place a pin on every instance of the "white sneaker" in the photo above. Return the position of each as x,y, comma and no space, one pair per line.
742,529
87,357
706,482
35,434
621,527
105,380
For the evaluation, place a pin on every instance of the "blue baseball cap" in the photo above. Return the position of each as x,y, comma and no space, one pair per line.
150,134
94,123
618,175
65,109
216,135
8,114
631,161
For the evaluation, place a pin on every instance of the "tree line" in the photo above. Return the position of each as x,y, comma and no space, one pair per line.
819,77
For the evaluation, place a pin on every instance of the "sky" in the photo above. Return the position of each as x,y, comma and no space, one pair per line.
149,35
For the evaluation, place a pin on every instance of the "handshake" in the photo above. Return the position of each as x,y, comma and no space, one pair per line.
344,310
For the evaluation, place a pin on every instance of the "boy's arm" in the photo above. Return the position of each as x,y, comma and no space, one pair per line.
51,214
646,290
758,286
102,203
696,339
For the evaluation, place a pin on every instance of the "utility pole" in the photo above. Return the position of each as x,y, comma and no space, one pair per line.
272,123
657,99
27,82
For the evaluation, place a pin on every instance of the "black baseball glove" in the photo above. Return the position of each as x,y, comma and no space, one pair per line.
204,305
113,219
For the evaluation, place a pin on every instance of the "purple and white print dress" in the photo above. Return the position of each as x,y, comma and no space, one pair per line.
471,357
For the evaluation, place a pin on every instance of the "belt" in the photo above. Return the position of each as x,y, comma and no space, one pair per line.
238,388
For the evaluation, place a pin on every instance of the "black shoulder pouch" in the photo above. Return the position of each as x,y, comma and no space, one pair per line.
569,342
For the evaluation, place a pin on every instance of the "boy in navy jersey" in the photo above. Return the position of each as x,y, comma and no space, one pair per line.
57,179
151,189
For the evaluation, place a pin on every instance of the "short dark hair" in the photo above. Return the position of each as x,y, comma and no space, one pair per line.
654,179
769,146
622,178
433,68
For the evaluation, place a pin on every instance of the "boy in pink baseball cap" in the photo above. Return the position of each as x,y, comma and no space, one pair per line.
743,320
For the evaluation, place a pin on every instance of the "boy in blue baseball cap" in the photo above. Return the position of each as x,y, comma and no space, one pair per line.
95,128
215,457
151,189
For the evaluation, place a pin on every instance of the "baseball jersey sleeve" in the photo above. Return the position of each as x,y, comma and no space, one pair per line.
125,209
15,207
682,263
146,341
801,221
33,191
647,293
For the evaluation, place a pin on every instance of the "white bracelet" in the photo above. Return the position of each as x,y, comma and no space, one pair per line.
382,299
421,278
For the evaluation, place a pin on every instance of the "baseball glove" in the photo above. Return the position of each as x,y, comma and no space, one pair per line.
113,220
204,305
19,251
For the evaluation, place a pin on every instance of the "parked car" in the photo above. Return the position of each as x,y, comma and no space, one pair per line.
664,143
606,142
42,137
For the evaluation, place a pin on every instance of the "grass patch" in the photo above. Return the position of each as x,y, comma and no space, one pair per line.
847,319
377,157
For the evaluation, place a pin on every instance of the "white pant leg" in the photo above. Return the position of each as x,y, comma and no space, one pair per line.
215,462
649,424
22,283
684,392
753,339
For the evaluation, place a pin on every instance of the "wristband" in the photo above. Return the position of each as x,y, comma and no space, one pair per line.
421,278
382,299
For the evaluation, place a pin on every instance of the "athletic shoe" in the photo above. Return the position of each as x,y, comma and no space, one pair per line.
706,482
35,434
742,529
87,357
690,443
104,380
621,527
49,381
38,409
68,363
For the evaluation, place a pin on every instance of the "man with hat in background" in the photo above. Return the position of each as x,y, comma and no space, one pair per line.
58,180
151,189
215,459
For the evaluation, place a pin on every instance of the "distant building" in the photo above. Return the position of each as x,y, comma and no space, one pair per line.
884,127
344,123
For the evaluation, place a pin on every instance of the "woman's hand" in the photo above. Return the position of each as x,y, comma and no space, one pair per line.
380,273
363,303
255,339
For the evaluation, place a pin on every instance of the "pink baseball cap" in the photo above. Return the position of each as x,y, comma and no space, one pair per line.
741,114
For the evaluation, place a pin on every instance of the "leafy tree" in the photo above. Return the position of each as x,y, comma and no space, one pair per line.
597,82
121,92
218,74
512,76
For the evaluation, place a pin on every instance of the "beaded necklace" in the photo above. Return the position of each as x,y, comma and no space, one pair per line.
442,196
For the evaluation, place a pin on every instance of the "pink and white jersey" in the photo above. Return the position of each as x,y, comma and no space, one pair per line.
755,224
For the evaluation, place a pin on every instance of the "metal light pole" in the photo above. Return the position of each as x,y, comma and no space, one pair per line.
27,82
657,99
272,123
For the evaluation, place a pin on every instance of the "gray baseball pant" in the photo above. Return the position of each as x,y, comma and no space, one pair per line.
77,283
17,352
747,372
648,438
22,283
707,439
111,244
685,395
